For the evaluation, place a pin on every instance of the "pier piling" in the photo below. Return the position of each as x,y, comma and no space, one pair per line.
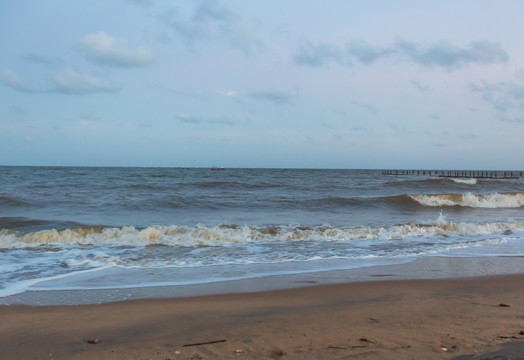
476,174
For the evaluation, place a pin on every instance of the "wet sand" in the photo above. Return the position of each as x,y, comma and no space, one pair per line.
390,319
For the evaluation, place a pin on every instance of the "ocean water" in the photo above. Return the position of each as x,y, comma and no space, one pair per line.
64,228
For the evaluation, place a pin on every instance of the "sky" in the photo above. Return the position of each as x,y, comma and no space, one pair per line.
300,84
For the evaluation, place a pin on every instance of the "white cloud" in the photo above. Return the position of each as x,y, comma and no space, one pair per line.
320,54
189,119
366,53
141,2
372,109
144,123
451,57
436,54
223,119
467,136
19,109
106,50
440,144
419,85
210,20
71,82
11,79
506,98
41,59
315,55
229,93
90,115
273,96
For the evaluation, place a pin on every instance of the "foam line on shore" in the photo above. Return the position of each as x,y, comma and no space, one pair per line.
431,267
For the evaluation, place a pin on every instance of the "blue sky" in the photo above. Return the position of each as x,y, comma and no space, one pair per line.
333,84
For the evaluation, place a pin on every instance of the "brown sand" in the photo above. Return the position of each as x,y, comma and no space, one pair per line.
408,319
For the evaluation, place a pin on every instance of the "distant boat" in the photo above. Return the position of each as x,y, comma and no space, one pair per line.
218,168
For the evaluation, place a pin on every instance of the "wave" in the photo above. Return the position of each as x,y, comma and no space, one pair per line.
335,201
8,201
493,200
28,224
159,175
464,181
232,185
403,200
436,181
224,235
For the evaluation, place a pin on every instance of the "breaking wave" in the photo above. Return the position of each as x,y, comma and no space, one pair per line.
464,181
434,181
225,235
493,200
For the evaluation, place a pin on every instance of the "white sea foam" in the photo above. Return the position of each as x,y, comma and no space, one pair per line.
22,286
464,181
219,235
199,249
493,200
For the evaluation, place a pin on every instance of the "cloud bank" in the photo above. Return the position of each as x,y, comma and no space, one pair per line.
106,50
71,82
438,54
451,57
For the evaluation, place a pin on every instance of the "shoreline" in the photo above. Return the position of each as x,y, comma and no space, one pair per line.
428,268
389,319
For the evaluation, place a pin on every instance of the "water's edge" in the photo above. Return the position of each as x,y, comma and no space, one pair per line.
434,267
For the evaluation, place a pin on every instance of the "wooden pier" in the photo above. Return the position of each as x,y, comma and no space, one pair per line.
476,174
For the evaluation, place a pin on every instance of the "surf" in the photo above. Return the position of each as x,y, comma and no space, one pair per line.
225,235
471,200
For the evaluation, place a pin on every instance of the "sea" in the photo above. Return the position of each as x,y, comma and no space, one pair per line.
89,228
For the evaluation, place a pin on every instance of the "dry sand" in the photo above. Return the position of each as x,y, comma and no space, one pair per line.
407,319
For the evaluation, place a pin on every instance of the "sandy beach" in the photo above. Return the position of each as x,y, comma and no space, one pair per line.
390,319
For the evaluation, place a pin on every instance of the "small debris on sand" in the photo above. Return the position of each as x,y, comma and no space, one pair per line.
275,354
366,340
336,347
205,343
